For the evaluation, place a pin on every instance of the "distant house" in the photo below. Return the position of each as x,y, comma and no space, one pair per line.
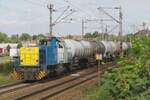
3,47
3,51
29,43
143,32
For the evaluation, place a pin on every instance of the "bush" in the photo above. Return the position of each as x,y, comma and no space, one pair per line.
131,81
6,68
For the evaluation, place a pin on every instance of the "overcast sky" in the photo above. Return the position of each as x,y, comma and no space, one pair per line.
32,16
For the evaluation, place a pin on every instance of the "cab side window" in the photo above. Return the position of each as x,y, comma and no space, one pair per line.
59,45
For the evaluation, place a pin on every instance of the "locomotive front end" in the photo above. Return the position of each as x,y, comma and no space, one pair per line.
29,68
29,56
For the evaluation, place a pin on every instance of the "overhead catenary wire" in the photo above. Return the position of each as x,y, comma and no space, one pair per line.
81,10
61,14
58,20
113,29
77,8
100,8
65,17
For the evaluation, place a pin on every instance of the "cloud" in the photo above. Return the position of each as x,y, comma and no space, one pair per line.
8,22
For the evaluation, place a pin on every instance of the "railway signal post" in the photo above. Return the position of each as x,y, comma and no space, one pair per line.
99,61
50,7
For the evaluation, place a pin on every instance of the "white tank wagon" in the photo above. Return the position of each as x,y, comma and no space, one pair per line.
85,50
80,52
125,47
101,47
78,49
98,47
108,47
113,46
129,44
88,48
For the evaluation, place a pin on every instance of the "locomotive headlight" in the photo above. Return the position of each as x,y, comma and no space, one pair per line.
37,60
21,60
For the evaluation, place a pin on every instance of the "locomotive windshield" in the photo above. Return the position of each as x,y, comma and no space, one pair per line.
44,42
59,45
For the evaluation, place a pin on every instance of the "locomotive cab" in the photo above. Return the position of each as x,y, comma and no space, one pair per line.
52,52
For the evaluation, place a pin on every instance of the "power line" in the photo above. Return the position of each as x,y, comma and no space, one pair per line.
65,17
112,29
77,8
59,19
62,14
102,9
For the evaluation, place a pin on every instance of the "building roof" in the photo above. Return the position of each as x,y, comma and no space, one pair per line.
143,32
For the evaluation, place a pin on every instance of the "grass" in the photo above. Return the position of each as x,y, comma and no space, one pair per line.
4,59
6,68
5,79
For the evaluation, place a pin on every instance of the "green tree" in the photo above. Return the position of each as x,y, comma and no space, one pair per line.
41,36
88,35
14,38
34,37
95,34
25,37
19,45
3,37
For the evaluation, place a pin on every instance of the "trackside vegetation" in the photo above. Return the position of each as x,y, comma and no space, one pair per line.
5,71
131,81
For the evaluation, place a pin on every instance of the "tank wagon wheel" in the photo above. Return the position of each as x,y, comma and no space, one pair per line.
68,68
82,64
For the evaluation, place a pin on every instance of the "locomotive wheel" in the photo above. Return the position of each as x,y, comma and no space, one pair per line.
52,71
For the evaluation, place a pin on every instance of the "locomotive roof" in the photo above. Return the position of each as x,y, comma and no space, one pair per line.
48,39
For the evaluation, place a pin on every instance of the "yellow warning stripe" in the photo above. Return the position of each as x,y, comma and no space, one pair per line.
16,75
41,74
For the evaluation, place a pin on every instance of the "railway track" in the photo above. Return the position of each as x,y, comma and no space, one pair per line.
45,90
15,86
10,85
19,85
62,88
